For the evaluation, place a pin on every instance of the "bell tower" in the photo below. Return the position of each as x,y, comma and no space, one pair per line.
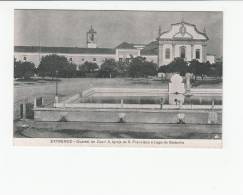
91,38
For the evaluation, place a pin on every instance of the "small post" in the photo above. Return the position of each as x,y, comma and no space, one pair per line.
180,104
191,102
121,103
42,101
24,109
56,99
161,103
56,84
212,104
35,102
188,83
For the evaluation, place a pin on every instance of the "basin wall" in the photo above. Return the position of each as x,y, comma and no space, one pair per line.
112,115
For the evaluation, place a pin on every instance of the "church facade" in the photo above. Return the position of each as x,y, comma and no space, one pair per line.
182,40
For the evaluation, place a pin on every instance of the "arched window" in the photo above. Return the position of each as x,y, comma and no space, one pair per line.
182,51
167,53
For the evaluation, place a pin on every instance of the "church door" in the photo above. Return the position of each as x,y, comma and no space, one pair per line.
183,52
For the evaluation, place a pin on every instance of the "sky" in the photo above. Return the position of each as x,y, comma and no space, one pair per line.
67,28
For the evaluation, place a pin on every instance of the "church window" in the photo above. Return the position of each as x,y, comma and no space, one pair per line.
167,53
183,52
197,53
25,58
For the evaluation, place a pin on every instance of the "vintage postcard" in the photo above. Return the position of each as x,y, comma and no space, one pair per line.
118,78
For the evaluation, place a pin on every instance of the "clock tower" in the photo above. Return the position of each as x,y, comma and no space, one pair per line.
91,38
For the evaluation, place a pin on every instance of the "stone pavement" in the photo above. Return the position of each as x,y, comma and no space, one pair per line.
116,130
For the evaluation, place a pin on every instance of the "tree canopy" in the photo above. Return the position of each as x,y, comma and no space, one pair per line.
54,65
24,69
139,67
178,65
88,67
109,68
195,67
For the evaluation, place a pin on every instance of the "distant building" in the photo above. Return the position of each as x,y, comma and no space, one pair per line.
182,40
211,58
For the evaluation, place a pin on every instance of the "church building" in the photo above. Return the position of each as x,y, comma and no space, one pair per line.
182,40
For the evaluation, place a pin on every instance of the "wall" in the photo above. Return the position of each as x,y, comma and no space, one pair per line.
151,58
167,61
195,47
126,53
76,58
112,115
188,51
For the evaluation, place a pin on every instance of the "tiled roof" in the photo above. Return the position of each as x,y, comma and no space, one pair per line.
72,50
150,49
125,45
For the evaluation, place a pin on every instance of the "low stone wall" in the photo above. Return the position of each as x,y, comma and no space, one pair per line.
143,92
131,116
123,92
136,106
206,92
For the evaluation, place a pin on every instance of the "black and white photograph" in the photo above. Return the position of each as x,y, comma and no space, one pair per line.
118,78
121,97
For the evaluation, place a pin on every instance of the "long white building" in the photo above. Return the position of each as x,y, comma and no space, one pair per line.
182,40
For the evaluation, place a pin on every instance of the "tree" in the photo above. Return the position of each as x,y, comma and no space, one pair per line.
219,69
24,69
122,68
88,67
51,64
109,68
163,69
139,67
135,67
149,68
69,70
199,69
178,65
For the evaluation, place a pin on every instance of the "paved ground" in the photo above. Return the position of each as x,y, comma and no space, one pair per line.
115,130
75,85
71,86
